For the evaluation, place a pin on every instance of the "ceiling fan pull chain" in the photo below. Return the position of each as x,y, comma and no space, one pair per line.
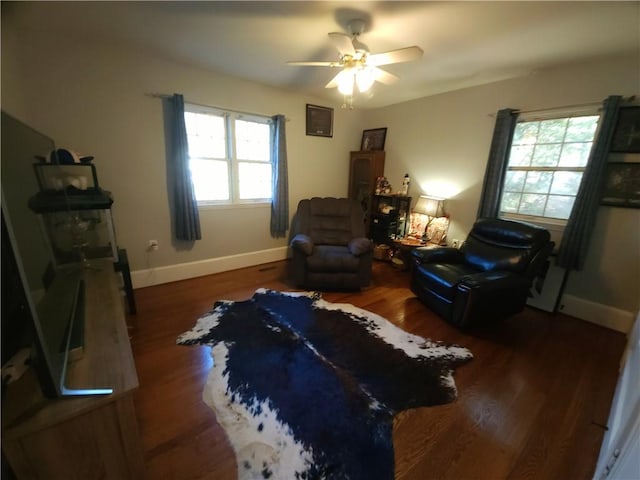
347,102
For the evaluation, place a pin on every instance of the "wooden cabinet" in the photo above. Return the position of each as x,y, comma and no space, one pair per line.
365,168
81,437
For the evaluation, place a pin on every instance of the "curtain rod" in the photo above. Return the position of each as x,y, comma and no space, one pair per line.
625,102
564,107
166,95
556,109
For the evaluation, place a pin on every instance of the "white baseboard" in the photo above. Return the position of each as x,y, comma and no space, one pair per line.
603,315
182,271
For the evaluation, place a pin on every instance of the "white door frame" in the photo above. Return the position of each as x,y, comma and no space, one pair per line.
620,451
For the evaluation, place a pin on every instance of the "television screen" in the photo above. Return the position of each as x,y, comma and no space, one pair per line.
20,145
48,301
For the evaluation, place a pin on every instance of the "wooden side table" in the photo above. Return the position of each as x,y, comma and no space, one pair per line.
402,251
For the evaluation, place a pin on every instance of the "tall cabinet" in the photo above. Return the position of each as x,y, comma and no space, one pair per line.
365,167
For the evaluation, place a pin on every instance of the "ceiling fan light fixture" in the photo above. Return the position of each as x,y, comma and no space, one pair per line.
365,78
360,67
345,82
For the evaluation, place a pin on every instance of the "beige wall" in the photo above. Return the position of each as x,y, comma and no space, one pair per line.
12,97
91,98
443,142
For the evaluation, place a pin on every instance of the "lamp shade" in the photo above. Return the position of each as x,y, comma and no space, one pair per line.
431,206
365,78
345,81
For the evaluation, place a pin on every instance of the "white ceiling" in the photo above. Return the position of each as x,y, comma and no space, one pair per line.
464,43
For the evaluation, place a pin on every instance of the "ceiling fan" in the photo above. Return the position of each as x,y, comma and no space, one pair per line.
359,66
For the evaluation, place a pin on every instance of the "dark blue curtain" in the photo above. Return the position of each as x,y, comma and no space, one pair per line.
497,164
577,233
185,207
279,179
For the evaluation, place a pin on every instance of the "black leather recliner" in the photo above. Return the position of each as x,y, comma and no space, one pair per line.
328,244
489,277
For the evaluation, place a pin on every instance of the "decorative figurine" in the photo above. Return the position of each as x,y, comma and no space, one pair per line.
383,187
405,185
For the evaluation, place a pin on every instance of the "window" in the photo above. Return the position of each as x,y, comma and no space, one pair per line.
229,156
546,163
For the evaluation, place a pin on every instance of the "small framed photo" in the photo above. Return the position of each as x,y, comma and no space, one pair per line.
319,121
626,137
622,185
373,139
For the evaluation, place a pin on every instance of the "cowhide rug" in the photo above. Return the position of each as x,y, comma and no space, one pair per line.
307,389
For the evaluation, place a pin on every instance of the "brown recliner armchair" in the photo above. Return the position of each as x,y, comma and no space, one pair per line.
489,277
329,247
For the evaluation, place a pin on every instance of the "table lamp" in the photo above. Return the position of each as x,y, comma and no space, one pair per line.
432,207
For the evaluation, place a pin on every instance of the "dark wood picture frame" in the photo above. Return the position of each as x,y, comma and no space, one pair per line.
319,121
622,185
626,137
373,139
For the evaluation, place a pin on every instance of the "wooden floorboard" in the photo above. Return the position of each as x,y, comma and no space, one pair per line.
531,404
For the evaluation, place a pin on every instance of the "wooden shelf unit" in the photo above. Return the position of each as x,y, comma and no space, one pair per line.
391,224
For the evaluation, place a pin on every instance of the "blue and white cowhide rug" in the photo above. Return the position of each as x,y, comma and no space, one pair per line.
307,389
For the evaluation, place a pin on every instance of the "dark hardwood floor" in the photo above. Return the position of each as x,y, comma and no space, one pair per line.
531,404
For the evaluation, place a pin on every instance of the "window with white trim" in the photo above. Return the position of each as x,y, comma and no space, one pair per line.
546,164
229,156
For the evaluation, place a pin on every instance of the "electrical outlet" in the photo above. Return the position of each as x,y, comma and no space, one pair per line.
153,245
455,243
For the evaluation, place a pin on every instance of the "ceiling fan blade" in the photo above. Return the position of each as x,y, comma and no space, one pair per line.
384,77
395,56
316,64
343,43
334,81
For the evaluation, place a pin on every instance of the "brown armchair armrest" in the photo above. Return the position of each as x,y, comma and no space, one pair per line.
302,243
359,245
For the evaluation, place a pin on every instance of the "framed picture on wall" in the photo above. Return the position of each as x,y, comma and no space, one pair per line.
319,121
626,137
373,139
622,185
